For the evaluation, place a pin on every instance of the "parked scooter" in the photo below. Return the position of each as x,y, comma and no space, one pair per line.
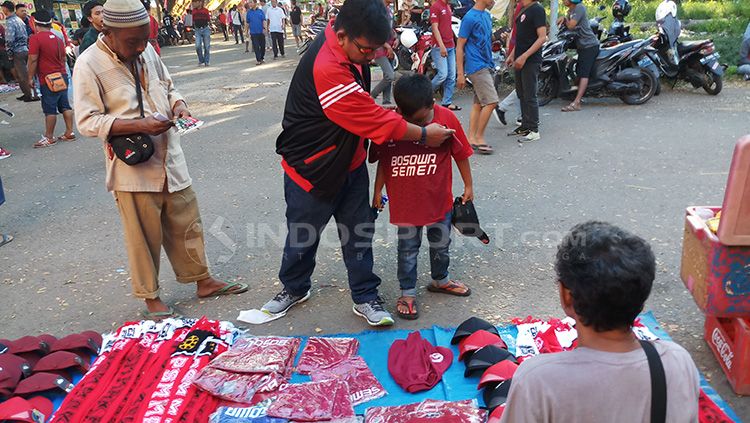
616,72
696,62
311,32
413,52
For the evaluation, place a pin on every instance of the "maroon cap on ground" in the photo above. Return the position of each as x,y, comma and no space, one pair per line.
34,410
10,375
40,382
416,365
61,360
7,360
28,344
47,339
89,340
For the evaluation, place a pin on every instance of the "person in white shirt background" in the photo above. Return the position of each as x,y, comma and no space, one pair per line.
276,18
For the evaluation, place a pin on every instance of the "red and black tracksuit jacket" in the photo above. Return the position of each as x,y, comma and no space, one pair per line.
328,115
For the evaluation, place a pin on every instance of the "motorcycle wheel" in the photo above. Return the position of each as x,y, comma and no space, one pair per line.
548,88
648,89
713,83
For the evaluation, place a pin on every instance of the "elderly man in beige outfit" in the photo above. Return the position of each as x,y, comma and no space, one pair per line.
157,204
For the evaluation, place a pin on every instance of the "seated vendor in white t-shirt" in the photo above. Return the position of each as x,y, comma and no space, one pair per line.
605,275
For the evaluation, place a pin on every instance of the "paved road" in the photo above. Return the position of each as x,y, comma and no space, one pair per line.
636,166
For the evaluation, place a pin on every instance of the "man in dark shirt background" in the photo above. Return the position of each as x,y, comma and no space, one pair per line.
23,13
92,12
296,17
531,33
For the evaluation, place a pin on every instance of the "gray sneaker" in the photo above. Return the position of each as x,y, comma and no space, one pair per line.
374,313
283,301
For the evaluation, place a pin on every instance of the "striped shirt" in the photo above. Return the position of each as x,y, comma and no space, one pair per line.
104,91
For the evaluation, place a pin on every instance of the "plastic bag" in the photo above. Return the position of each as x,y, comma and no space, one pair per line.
261,354
313,401
325,352
255,414
236,387
362,385
428,410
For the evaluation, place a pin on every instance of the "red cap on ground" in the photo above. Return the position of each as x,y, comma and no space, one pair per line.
28,344
40,382
7,360
88,340
477,340
34,410
496,414
10,374
416,365
61,360
497,373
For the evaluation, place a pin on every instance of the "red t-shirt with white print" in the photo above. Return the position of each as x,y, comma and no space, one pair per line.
419,179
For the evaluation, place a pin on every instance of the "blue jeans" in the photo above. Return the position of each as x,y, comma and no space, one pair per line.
409,241
307,217
743,70
446,73
54,103
203,44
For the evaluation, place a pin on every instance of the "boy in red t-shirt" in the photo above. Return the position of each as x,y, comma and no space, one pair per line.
419,182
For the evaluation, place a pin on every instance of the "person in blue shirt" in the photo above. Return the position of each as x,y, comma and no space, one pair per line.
474,60
256,27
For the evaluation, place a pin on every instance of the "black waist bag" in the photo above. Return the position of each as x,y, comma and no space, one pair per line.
133,148
466,221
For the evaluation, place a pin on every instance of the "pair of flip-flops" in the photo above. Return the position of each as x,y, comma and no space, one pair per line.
482,149
410,303
230,288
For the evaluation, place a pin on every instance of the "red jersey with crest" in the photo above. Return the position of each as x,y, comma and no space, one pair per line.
418,178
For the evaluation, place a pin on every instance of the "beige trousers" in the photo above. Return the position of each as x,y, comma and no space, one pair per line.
154,219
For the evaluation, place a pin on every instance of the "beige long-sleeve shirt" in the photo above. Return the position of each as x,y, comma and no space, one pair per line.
104,91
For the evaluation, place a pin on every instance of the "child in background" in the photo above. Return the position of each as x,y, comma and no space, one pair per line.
419,183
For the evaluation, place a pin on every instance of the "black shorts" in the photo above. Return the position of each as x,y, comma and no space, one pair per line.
586,60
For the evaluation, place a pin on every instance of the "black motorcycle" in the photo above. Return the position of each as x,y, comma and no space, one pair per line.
616,72
698,62
312,32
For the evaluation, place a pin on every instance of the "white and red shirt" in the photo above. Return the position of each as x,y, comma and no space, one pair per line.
418,178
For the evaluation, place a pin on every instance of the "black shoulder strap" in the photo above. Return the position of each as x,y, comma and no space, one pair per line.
137,75
658,383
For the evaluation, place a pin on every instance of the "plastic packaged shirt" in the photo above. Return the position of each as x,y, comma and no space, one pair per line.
255,414
325,352
362,385
313,402
261,354
428,411
236,387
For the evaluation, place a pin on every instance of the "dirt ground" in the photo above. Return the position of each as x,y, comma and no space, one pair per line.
639,167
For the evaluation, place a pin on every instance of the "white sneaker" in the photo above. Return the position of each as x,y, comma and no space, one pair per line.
531,136
4,154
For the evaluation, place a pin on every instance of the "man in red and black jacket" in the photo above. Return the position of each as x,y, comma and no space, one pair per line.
328,116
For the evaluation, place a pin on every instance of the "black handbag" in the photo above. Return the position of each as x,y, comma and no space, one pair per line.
133,148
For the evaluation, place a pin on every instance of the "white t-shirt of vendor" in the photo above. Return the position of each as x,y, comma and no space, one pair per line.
275,17
587,385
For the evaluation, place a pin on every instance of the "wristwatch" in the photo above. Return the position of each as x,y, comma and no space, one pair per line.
423,139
